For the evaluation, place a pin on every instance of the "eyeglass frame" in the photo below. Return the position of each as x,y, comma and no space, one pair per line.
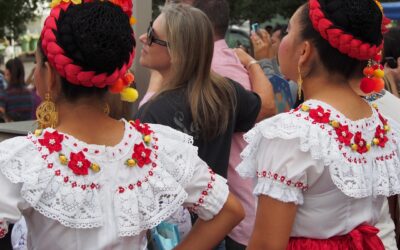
151,39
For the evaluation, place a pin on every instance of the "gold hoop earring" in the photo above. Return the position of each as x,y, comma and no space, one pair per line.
106,109
46,113
299,82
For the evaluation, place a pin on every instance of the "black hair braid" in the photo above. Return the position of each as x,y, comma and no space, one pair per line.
97,36
361,18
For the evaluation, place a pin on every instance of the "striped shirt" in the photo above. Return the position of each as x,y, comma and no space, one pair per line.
17,102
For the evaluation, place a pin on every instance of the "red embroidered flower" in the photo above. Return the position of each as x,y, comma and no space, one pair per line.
79,164
319,115
361,143
141,154
344,135
383,120
52,141
380,134
142,128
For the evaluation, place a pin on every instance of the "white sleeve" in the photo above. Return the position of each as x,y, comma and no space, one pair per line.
206,191
281,169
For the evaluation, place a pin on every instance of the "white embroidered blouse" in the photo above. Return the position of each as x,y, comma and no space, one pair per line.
335,169
79,196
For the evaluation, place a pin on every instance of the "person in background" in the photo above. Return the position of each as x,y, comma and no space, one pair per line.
391,61
16,103
229,64
324,169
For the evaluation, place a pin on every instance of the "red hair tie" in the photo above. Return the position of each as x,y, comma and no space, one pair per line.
340,39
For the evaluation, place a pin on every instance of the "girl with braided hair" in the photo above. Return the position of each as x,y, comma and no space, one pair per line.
85,180
324,169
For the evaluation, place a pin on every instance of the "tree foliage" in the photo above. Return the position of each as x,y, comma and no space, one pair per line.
14,14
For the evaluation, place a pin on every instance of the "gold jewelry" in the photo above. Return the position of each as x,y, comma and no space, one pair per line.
299,82
46,113
106,109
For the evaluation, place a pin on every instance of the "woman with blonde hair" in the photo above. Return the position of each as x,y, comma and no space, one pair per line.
193,99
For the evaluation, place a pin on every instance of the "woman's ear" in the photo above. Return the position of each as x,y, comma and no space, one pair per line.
305,60
52,80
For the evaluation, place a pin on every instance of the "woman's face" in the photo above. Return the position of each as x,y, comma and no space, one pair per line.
155,54
289,49
7,75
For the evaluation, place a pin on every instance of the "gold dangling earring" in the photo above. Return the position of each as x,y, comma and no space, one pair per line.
46,113
106,109
299,82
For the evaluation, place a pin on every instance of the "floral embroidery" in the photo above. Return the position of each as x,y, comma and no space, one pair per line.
380,137
3,229
52,141
319,115
282,179
79,164
141,155
360,145
344,135
205,192
142,128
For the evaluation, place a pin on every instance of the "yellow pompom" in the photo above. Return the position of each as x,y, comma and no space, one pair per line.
354,147
368,146
129,94
95,167
386,128
375,141
147,138
63,159
335,124
38,132
379,73
305,108
131,163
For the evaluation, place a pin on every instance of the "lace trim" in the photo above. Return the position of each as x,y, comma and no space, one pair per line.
279,191
3,228
355,175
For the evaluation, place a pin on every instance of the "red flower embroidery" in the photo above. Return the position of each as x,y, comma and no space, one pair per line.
52,141
142,128
361,143
383,120
319,115
79,164
380,134
344,135
141,154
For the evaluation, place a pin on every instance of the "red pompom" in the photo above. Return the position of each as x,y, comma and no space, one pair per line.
377,58
368,71
117,87
379,84
367,85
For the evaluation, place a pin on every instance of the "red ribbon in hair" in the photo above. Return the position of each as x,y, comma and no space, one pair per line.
340,39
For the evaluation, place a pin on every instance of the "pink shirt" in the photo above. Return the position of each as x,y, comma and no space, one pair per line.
227,64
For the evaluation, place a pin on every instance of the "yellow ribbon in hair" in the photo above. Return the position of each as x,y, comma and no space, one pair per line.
55,3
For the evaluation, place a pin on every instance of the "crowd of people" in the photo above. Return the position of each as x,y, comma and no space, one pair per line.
293,146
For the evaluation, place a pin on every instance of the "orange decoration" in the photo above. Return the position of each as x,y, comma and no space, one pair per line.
118,86
379,84
368,71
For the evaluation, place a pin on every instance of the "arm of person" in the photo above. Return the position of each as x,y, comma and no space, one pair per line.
274,221
216,229
260,85
155,84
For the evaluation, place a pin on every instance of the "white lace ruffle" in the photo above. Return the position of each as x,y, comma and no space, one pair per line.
135,210
278,190
373,176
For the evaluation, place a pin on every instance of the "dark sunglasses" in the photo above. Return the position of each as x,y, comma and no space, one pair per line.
151,39
391,62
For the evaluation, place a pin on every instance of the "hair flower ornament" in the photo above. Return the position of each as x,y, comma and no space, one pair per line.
55,3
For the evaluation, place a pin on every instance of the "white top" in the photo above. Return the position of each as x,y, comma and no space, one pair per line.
299,157
67,208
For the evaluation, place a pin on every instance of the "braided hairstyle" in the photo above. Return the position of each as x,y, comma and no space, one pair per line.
98,38
360,20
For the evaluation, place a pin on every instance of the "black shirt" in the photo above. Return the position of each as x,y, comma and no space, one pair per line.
172,109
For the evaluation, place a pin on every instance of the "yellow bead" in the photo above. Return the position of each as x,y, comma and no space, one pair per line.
63,159
354,147
131,163
386,128
95,167
147,138
305,108
335,124
375,141
38,132
368,146
374,105
379,73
